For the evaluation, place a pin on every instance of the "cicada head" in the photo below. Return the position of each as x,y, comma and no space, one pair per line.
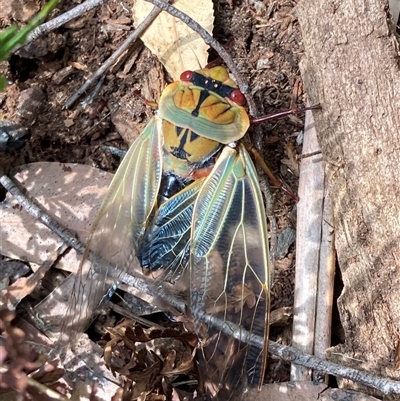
207,102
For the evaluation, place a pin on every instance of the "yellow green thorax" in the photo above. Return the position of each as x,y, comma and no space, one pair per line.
215,117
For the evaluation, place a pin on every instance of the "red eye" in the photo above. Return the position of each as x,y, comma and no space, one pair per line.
238,97
186,76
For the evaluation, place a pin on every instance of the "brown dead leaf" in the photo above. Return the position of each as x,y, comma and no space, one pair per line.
242,295
49,372
281,316
148,359
24,286
84,363
19,361
71,195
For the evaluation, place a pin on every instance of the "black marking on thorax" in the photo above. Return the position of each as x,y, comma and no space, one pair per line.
209,85
185,136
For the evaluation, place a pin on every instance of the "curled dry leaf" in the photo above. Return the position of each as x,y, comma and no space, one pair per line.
176,45
148,359
24,286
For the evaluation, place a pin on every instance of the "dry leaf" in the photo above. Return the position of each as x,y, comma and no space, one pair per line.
85,364
71,193
241,294
157,357
177,46
24,286
291,160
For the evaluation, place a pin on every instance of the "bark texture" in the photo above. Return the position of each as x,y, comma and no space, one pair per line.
351,67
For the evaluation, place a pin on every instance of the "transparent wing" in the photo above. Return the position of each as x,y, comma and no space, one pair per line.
118,229
229,275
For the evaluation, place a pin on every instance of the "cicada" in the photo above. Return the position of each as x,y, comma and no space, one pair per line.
186,204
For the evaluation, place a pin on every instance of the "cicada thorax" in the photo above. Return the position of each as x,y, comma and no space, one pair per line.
200,113
186,153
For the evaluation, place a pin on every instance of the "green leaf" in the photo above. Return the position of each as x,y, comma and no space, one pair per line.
3,82
13,37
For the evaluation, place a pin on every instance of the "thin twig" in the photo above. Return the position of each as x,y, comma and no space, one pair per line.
191,23
284,352
269,212
127,43
63,19
293,355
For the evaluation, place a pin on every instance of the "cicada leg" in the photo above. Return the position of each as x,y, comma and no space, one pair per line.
276,181
152,105
284,113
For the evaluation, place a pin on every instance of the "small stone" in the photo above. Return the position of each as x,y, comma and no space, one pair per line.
285,239
13,269
12,135
263,63
69,122
30,103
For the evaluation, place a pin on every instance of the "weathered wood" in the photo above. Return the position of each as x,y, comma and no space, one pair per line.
326,283
351,67
315,257
308,248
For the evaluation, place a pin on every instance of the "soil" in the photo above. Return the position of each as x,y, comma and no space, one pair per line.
266,47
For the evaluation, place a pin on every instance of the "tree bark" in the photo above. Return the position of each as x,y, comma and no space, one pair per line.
351,67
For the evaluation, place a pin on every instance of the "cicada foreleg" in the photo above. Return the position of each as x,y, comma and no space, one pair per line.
152,105
276,181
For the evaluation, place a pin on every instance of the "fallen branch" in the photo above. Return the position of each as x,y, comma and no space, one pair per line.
315,265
